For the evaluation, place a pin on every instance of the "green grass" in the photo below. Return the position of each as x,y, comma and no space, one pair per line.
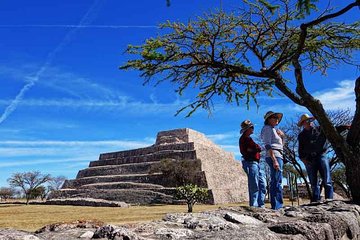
33,217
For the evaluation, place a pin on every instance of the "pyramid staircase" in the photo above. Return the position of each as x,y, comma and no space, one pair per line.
126,175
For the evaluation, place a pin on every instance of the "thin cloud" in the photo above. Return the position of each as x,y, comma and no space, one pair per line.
70,103
123,103
340,97
41,143
64,82
40,149
44,161
76,26
86,19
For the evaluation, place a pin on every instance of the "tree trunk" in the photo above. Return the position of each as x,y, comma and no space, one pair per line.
190,207
353,176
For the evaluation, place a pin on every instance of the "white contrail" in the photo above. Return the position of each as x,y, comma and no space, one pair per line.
76,26
86,20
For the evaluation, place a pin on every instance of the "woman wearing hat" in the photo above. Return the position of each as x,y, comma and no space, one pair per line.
251,157
273,141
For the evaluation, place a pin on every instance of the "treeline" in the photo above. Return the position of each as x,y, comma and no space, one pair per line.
30,185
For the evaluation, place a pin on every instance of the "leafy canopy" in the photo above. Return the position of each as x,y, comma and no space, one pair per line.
192,194
238,55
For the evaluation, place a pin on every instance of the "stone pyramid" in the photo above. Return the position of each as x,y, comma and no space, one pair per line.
126,176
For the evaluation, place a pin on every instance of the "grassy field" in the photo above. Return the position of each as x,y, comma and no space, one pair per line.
33,217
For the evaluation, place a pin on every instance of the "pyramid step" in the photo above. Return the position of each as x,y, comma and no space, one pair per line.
132,186
123,185
147,150
130,168
132,196
137,178
151,157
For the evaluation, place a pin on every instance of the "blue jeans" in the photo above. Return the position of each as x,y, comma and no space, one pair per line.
319,164
256,183
276,193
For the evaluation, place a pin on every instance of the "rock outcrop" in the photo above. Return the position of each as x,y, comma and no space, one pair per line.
335,220
125,176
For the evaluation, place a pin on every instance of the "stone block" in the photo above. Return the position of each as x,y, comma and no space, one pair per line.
123,172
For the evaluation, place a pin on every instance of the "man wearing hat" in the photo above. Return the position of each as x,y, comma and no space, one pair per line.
312,149
273,140
251,157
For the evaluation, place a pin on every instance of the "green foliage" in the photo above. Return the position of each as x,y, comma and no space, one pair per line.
306,6
241,55
38,192
178,172
192,194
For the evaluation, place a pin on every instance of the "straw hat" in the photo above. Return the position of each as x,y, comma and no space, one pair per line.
303,118
245,125
271,113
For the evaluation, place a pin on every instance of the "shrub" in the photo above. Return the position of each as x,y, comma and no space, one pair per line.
192,194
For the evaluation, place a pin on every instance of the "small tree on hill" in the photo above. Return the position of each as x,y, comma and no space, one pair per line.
28,181
192,194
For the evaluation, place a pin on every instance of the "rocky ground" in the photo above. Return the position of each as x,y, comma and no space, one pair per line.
322,221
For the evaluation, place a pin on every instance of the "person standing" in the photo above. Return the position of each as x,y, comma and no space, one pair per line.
273,140
312,149
251,165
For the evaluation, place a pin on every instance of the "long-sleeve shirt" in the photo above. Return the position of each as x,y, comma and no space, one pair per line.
272,140
249,149
312,142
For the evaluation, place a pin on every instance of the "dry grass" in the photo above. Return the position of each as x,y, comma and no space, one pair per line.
33,217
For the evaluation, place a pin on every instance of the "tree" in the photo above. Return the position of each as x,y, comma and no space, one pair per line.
302,5
38,192
178,172
192,194
244,54
28,181
56,183
6,193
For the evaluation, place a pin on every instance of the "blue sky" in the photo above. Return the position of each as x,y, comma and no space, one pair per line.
63,100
